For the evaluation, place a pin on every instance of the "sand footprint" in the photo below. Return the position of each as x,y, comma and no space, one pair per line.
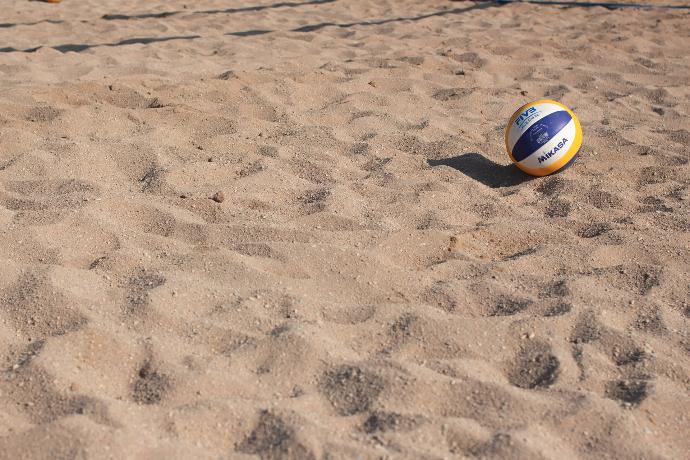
43,114
508,305
32,388
554,297
138,287
498,446
557,208
593,230
382,422
273,438
630,359
351,389
628,392
49,194
150,385
452,94
639,279
37,309
314,201
535,366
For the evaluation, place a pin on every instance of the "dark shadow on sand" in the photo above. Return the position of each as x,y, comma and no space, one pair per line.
378,22
373,22
481,169
249,33
265,7
608,5
125,17
78,47
8,25
243,9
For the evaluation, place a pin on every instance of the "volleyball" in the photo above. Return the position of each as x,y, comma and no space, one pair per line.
543,137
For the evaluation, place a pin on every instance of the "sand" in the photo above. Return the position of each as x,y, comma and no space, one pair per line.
291,231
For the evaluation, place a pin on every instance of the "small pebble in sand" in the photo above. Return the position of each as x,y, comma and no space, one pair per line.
218,197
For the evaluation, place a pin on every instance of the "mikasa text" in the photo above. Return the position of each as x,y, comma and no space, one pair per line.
553,151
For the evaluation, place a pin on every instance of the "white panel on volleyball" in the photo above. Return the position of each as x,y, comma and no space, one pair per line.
544,109
568,132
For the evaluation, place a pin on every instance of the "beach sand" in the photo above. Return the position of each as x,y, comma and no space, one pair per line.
291,231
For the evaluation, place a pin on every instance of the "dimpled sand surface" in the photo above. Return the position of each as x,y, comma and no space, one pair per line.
289,230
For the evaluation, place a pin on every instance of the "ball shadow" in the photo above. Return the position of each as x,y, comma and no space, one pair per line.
481,169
